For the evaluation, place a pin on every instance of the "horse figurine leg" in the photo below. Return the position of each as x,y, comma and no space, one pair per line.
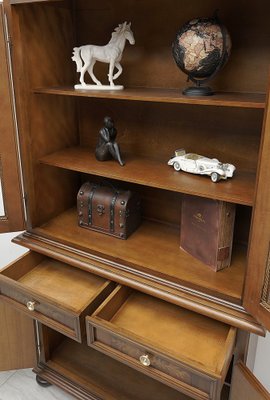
91,73
110,74
119,72
83,70
79,58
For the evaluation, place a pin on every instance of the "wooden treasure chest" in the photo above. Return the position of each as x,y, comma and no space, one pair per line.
106,209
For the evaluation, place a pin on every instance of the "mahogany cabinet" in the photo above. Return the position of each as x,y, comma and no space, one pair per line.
113,316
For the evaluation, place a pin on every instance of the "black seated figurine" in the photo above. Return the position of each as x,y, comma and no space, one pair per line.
107,148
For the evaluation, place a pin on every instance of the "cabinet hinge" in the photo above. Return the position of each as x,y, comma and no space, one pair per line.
265,296
25,206
7,34
38,342
9,41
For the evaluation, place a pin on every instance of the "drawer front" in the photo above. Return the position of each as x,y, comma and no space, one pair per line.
151,362
37,308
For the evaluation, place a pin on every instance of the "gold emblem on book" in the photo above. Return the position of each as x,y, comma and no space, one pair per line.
199,217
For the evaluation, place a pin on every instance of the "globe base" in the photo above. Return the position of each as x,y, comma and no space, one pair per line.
198,91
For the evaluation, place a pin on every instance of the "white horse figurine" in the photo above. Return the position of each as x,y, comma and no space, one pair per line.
111,53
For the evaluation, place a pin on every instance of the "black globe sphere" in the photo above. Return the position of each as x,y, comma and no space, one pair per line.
201,48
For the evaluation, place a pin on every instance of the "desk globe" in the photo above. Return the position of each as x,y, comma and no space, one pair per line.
201,48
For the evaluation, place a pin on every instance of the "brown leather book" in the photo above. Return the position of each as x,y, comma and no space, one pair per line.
207,230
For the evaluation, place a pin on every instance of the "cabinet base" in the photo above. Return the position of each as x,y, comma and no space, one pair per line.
53,377
42,382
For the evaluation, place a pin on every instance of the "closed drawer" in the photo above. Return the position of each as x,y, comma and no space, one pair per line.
178,347
54,293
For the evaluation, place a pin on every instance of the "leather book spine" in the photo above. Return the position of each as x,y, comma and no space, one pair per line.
207,230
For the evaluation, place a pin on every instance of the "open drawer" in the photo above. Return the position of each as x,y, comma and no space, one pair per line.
185,350
54,293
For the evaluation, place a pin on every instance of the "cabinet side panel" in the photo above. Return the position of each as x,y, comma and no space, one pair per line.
44,31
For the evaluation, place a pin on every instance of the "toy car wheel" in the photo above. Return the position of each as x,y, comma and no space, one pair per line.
215,177
176,166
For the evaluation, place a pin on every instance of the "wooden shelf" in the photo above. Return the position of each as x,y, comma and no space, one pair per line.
156,174
30,1
102,376
160,259
225,99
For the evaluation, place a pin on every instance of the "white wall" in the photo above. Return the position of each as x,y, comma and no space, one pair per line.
9,251
2,210
262,361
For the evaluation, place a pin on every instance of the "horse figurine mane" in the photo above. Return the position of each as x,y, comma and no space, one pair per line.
118,31
86,57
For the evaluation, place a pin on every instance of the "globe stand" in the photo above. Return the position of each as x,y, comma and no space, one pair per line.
198,91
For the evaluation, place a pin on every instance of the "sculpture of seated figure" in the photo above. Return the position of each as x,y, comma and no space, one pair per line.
107,148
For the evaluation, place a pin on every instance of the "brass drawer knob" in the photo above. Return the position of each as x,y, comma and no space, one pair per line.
31,305
144,360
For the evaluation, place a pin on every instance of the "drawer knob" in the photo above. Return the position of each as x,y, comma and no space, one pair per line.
31,305
144,360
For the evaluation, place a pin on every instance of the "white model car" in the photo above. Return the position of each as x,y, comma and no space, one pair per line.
196,164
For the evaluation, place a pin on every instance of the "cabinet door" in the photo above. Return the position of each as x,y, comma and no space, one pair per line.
246,386
17,340
13,326
11,206
257,288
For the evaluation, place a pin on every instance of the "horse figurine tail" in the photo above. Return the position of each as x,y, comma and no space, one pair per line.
77,58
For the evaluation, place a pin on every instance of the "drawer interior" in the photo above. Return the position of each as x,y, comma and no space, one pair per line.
60,283
182,334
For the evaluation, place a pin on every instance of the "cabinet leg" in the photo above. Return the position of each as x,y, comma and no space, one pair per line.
42,382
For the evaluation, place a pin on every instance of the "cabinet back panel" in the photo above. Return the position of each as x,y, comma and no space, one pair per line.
47,37
150,63
56,191
157,205
156,130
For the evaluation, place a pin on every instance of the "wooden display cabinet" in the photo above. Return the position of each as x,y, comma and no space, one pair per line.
58,128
